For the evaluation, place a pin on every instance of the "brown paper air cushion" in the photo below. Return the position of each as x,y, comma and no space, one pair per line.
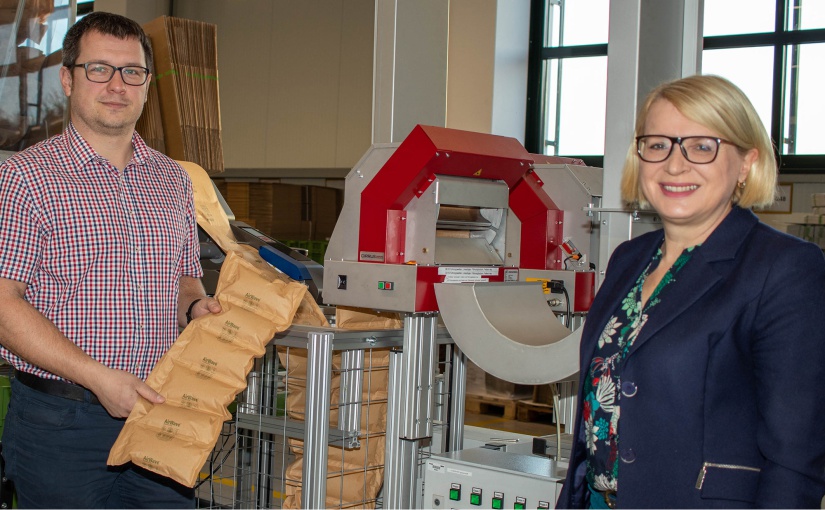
204,370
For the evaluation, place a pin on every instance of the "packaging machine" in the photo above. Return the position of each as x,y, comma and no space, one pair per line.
465,228
462,224
473,241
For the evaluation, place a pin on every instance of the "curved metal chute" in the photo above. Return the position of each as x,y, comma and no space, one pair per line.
508,330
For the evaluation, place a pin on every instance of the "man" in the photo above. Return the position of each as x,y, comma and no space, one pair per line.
98,268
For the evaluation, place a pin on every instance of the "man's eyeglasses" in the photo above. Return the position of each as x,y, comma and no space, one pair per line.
696,149
103,73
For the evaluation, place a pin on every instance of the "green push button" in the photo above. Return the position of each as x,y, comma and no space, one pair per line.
520,504
475,497
455,491
498,501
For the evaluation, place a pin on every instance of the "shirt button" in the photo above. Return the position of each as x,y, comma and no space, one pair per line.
140,327
629,389
628,456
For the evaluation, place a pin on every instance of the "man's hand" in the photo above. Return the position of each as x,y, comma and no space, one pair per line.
206,306
191,289
118,392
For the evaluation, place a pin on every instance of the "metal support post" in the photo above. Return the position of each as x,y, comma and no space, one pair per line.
268,388
319,374
457,395
418,374
400,456
349,413
249,404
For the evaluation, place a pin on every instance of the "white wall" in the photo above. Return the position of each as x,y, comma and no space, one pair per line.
296,76
295,80
487,72
141,11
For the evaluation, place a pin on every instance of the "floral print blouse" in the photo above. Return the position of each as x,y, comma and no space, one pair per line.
603,379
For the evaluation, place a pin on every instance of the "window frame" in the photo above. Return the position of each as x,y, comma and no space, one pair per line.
780,39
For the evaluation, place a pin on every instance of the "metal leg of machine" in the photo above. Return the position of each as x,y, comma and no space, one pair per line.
409,408
319,366
245,444
458,384
268,382
418,374
349,413
400,454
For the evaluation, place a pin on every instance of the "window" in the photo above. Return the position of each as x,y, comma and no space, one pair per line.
773,54
567,83
32,103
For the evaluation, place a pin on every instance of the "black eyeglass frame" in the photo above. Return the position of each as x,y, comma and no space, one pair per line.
677,140
115,69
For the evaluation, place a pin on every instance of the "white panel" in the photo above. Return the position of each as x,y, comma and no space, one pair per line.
142,12
354,120
420,90
243,29
295,80
114,6
471,65
304,76
510,83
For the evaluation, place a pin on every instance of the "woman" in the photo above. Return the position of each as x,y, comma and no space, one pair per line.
703,351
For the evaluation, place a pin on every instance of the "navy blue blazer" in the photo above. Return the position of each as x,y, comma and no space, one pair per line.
722,397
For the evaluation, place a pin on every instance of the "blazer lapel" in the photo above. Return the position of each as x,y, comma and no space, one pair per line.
621,276
700,274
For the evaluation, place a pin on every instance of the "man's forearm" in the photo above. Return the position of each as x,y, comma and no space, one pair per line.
30,335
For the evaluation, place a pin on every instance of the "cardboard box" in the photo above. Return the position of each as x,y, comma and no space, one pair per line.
325,205
288,212
237,198
186,77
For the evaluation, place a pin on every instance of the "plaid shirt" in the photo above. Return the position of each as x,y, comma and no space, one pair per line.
101,251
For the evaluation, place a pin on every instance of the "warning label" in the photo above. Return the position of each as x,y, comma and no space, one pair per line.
467,274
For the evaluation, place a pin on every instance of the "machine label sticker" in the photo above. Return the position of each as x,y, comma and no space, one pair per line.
467,274
511,275
373,256
459,472
438,468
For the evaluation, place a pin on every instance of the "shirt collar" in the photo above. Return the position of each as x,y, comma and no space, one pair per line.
82,153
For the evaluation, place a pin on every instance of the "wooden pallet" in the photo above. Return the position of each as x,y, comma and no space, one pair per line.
532,411
489,404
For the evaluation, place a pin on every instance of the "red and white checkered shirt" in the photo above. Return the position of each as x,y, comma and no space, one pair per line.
101,251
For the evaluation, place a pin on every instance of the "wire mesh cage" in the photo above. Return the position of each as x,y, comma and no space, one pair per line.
216,486
314,419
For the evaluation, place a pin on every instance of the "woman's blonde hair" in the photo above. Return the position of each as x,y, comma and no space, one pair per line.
722,107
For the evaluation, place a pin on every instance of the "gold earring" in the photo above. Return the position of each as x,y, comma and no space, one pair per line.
741,185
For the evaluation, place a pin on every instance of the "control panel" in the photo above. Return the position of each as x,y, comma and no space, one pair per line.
490,478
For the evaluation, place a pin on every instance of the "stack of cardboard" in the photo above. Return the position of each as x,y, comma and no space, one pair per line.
186,74
284,211
276,209
325,205
236,195
150,124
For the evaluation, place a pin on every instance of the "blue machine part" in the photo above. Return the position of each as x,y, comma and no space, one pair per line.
284,263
